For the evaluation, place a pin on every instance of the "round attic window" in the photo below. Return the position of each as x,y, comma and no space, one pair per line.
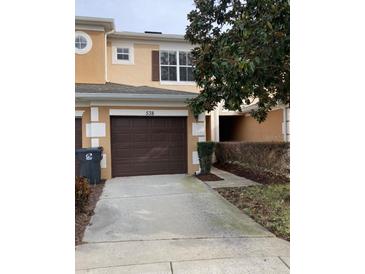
83,42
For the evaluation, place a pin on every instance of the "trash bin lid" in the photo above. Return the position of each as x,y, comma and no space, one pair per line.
89,149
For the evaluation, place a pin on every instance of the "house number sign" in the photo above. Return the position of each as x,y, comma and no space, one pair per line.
150,113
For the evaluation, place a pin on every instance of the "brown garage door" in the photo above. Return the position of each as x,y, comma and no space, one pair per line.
78,141
148,145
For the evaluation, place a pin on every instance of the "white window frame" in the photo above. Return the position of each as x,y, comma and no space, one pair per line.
176,66
89,43
123,53
177,82
184,66
124,45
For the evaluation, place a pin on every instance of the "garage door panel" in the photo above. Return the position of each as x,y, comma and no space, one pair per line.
176,137
122,153
177,152
159,137
123,138
139,124
147,154
159,123
148,145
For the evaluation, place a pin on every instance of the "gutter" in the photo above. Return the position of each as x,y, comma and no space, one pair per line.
106,55
133,96
149,37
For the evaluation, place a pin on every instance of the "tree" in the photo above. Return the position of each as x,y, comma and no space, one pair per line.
242,54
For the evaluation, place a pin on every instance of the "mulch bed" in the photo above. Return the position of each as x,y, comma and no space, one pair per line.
209,177
254,175
82,219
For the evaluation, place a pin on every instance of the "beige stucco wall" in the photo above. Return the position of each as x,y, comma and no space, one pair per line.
248,129
140,73
104,117
89,67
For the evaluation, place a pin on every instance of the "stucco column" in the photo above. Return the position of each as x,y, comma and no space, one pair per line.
214,125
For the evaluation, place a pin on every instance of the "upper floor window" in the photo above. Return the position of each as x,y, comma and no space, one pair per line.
123,54
83,42
168,65
80,42
176,66
186,66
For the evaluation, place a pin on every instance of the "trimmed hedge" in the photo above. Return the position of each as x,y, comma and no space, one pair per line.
205,152
265,156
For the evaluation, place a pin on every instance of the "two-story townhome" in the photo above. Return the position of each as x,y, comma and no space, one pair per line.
131,91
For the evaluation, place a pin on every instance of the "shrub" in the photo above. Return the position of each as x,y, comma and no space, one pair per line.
264,156
82,193
205,152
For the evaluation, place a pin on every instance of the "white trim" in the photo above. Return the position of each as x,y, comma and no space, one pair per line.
214,123
148,112
201,117
95,130
93,28
138,103
195,158
176,83
198,129
94,113
182,46
150,38
89,44
103,161
127,45
81,104
79,113
95,142
106,55
285,124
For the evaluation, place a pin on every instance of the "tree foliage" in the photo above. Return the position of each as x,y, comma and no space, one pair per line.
242,54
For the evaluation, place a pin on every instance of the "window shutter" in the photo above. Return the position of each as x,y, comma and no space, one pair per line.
155,65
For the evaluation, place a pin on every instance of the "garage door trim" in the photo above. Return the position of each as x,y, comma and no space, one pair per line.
150,112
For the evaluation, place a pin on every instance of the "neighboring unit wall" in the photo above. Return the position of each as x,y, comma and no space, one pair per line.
90,67
246,128
139,73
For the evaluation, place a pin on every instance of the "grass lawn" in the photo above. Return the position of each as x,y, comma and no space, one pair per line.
269,205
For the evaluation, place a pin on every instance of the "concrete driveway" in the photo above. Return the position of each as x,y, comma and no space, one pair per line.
174,224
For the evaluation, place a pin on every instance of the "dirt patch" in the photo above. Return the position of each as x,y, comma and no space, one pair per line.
82,219
209,177
266,178
269,205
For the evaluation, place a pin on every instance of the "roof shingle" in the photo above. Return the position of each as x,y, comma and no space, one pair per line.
126,89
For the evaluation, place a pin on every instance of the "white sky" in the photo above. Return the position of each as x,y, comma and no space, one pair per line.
168,16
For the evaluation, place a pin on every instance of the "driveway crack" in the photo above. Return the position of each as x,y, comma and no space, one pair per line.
284,262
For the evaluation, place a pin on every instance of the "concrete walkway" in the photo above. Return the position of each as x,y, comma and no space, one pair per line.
174,224
230,180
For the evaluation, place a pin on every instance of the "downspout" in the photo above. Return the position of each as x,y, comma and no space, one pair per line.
285,124
106,56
